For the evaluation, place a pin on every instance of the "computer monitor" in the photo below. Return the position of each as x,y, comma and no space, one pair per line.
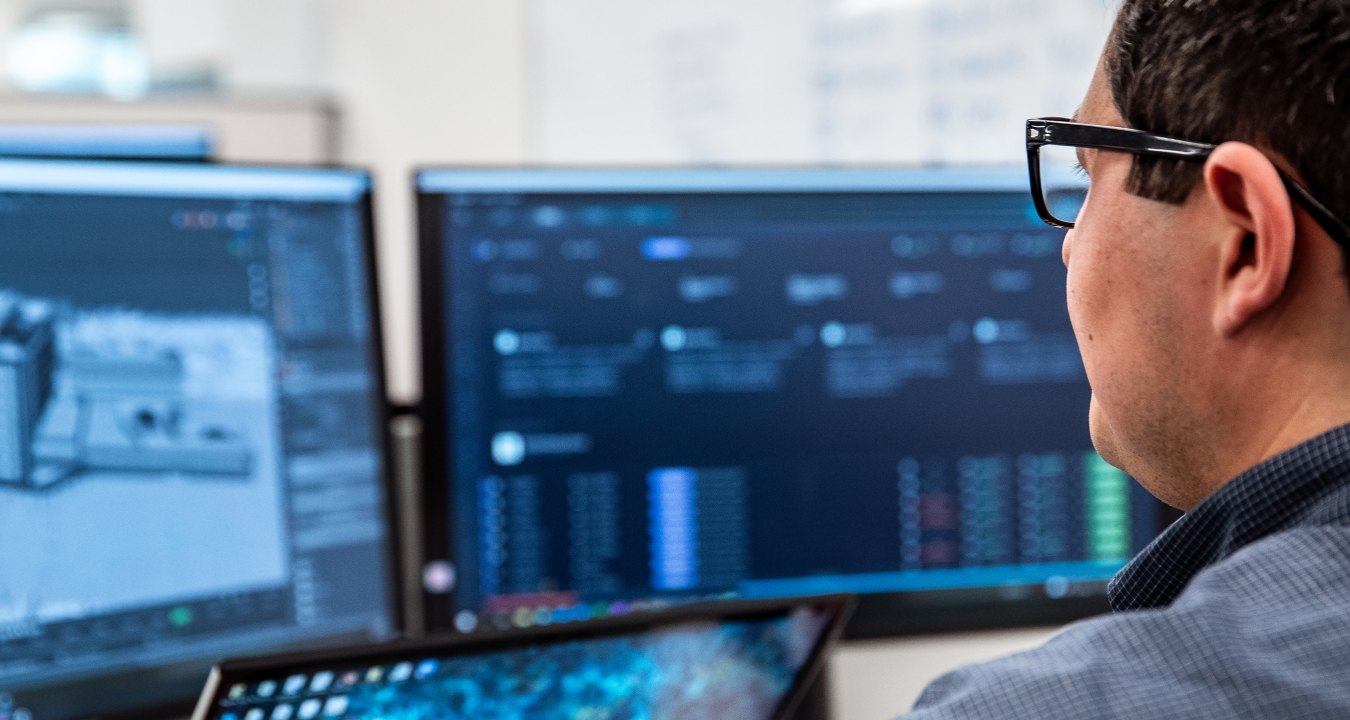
651,386
192,456
89,141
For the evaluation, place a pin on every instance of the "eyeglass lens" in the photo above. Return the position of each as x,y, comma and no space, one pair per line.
1062,181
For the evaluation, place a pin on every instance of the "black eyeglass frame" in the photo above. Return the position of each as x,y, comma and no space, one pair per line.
1062,131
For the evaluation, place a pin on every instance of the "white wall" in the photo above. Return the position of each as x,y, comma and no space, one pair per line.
10,16
253,44
419,83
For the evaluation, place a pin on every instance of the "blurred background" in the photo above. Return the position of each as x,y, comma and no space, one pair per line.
396,84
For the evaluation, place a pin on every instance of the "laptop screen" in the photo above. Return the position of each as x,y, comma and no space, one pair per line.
744,667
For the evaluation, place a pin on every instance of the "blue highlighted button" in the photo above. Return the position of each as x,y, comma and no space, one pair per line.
666,248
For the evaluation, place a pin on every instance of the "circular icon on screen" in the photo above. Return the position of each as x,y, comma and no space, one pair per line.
508,448
438,577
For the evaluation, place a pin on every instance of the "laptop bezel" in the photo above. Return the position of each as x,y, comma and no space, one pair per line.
255,668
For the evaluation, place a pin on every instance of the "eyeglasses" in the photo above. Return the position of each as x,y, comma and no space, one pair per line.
1058,187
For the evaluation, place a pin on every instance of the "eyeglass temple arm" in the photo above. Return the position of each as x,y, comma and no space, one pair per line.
1053,131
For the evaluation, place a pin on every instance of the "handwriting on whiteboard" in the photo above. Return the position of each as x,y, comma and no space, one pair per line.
805,81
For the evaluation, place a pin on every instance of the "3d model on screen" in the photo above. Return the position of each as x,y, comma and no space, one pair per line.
27,356
73,402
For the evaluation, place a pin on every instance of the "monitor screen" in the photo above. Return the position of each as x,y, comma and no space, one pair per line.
654,386
192,456
714,661
106,142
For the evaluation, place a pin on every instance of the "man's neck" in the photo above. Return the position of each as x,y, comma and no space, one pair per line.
1267,419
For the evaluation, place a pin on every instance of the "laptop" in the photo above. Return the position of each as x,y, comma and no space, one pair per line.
747,660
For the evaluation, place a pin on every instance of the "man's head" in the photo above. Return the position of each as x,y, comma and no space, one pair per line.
1271,73
1212,312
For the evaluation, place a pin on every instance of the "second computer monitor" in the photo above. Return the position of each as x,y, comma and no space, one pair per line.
644,387
192,459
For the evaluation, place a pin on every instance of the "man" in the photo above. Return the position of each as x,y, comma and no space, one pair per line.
1210,301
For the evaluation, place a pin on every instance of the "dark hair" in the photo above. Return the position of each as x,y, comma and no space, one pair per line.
1272,73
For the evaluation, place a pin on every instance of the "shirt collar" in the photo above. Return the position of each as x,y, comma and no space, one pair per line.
1303,486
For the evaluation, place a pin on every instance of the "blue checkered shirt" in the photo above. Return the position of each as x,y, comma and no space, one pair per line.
1240,610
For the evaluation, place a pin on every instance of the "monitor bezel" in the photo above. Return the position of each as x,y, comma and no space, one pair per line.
837,606
179,705
877,615
118,148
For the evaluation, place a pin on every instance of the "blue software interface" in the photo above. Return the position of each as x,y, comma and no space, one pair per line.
668,385
735,669
190,456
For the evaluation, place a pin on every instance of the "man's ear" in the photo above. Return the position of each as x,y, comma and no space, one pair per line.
1257,251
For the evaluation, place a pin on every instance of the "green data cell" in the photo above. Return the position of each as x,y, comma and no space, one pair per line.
1107,498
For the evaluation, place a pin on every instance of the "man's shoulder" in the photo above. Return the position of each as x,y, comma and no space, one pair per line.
1276,512
1287,593
1260,634
1303,565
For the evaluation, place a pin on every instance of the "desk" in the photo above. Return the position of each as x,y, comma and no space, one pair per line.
878,679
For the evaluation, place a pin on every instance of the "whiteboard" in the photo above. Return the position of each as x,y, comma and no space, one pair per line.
804,81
